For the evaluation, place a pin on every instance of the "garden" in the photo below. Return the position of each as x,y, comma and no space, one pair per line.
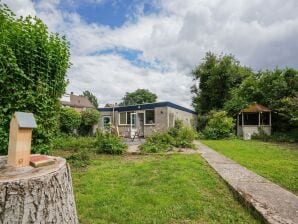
161,184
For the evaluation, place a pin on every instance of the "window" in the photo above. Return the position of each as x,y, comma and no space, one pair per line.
149,117
251,118
128,117
122,118
106,120
265,118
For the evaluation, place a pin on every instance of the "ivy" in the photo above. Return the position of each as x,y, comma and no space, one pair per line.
33,65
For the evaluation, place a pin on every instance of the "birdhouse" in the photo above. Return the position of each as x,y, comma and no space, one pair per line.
20,136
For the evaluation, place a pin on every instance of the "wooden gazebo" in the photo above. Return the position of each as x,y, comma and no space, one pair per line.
253,118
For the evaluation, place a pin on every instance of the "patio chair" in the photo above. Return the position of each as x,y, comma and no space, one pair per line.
138,134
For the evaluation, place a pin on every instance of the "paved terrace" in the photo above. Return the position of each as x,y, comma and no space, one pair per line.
272,202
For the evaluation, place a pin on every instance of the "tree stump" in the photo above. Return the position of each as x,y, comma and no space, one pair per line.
36,195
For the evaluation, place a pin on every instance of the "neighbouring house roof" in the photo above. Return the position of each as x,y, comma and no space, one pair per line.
147,106
76,101
255,108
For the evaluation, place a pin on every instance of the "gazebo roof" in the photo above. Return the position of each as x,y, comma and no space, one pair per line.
255,108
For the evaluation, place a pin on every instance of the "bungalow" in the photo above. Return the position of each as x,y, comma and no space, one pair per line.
145,119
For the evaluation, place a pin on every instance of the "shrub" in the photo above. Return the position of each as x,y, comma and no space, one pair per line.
182,136
158,142
177,127
33,68
110,144
291,136
74,143
90,117
178,136
70,120
202,121
185,138
261,135
219,126
80,158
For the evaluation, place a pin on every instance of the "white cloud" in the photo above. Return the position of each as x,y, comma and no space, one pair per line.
110,77
21,7
262,34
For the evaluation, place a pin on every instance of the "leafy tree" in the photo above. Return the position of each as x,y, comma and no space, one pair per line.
90,117
33,65
91,97
70,120
277,89
248,92
216,75
139,96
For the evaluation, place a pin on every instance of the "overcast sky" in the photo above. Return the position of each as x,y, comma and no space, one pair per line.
118,46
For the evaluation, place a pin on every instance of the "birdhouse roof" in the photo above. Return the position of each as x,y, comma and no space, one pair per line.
254,108
25,120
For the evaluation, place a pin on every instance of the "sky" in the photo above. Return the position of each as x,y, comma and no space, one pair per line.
118,46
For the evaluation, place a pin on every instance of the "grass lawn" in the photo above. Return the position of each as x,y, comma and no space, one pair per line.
154,189
278,163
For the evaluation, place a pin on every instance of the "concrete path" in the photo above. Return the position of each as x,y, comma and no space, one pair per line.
272,202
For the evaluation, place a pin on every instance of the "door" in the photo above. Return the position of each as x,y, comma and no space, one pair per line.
106,120
133,125
140,123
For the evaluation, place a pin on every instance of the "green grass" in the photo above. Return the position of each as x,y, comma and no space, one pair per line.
278,163
154,189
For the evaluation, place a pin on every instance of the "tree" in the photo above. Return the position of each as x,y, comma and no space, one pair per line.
70,120
90,117
139,96
91,97
276,89
33,65
216,75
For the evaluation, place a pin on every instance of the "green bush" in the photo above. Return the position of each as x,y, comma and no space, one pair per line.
291,136
202,121
158,142
219,126
110,144
178,136
174,131
74,143
80,158
90,117
70,120
185,138
261,135
33,68
182,136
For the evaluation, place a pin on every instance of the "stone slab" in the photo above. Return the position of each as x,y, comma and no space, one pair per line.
272,202
40,160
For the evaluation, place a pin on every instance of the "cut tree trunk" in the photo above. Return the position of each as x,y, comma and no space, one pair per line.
36,195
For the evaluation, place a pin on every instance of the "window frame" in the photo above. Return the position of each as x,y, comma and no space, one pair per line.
120,118
106,116
145,118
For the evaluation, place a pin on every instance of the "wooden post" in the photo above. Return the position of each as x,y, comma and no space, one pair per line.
242,119
20,135
259,118
270,118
